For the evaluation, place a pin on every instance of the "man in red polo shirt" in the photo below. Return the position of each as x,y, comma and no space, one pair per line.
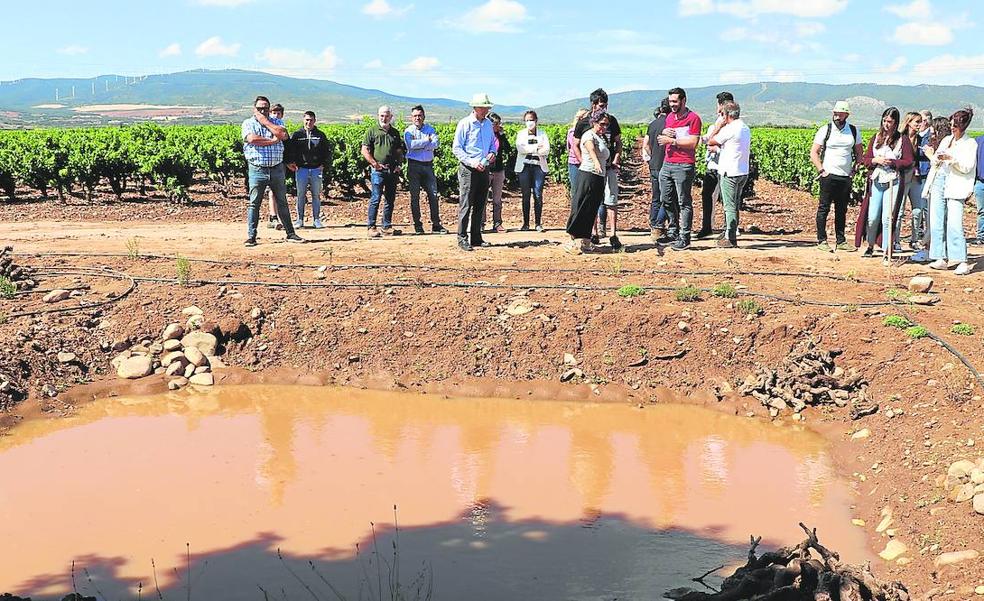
680,139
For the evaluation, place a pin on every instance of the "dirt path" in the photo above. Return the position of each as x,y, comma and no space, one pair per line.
415,312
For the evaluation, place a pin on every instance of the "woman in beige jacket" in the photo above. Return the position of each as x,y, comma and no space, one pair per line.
951,181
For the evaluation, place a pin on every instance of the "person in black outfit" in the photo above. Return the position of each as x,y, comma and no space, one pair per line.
710,189
653,153
309,151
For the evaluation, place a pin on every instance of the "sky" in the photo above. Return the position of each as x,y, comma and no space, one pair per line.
523,52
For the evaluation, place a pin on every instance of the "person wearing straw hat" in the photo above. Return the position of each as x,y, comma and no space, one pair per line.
474,146
835,151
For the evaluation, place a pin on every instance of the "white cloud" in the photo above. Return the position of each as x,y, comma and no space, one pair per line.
808,29
73,50
767,74
214,46
748,9
422,63
373,64
300,63
225,3
923,34
498,16
766,36
915,10
382,8
171,50
895,66
947,67
636,44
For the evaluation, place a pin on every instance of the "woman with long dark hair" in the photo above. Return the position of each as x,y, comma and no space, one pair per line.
955,167
532,148
940,129
589,189
911,186
889,154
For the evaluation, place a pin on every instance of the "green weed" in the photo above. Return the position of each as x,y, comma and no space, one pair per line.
749,307
133,247
896,321
615,266
899,295
630,290
7,288
724,290
183,267
963,329
688,294
916,332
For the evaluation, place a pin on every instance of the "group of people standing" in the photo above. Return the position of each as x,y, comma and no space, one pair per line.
931,163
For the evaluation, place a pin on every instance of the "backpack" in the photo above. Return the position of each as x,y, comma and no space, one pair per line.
830,129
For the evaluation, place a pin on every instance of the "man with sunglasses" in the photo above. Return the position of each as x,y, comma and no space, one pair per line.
310,152
263,146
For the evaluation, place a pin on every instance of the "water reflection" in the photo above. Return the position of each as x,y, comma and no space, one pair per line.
617,500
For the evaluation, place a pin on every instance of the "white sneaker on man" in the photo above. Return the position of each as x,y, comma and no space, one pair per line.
298,224
963,268
938,264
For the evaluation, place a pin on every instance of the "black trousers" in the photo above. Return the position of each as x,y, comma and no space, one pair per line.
836,190
589,191
708,186
473,188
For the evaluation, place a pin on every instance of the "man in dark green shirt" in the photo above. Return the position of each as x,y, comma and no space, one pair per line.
383,149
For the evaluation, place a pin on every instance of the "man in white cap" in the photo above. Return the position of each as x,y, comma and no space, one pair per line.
836,149
474,146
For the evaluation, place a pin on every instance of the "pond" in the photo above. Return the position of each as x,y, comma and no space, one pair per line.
266,487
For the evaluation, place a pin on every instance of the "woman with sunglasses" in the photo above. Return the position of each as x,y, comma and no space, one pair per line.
589,189
954,167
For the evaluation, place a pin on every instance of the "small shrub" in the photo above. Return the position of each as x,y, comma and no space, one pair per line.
851,276
899,295
133,248
630,290
183,266
3,318
724,290
963,329
749,307
688,294
7,288
916,332
615,267
896,321
851,308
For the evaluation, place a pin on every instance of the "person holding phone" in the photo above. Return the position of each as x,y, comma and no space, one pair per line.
383,148
955,166
532,149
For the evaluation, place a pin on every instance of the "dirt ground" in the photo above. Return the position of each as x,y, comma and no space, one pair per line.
414,312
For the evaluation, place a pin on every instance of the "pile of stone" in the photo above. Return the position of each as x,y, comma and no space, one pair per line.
183,353
808,377
964,481
22,277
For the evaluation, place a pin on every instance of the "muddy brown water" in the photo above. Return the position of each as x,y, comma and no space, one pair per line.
496,499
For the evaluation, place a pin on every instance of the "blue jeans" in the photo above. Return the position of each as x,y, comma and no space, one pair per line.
880,208
657,212
572,170
261,178
307,177
610,199
979,197
383,187
422,175
946,225
531,180
678,177
913,192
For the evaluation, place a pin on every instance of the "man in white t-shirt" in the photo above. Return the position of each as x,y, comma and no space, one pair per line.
836,149
733,143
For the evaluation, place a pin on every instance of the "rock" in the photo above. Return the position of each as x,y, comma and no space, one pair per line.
862,433
195,356
963,493
118,359
203,341
177,383
923,299
520,306
204,379
189,370
214,362
64,357
171,345
176,368
961,469
202,369
569,359
56,296
884,524
857,522
683,326
979,590
171,357
155,349
192,310
893,550
977,476
173,331
256,313
979,503
132,368
232,328
921,284
570,374
195,322
948,559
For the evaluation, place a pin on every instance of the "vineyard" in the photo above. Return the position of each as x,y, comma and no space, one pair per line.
172,158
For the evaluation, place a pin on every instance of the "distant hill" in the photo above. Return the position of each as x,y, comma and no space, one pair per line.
780,103
224,96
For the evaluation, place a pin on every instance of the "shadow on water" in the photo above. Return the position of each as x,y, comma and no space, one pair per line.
480,555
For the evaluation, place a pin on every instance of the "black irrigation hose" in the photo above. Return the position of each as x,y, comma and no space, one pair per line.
344,266
949,347
105,273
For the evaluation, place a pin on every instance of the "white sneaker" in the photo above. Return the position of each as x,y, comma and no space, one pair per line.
318,225
963,269
298,224
938,264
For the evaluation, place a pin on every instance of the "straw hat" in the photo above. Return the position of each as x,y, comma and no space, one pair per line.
841,106
481,100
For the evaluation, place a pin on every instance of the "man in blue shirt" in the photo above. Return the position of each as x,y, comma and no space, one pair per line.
263,146
474,146
979,191
421,142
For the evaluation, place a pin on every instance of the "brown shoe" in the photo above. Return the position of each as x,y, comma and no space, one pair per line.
725,243
499,229
373,233
387,231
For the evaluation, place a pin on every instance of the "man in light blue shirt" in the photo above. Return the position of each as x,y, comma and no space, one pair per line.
474,146
421,141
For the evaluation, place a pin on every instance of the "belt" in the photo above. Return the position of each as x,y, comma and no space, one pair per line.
420,162
266,166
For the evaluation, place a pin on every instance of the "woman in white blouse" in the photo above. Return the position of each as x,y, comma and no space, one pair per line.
951,179
532,149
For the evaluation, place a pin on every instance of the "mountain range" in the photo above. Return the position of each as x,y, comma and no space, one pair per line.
224,96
